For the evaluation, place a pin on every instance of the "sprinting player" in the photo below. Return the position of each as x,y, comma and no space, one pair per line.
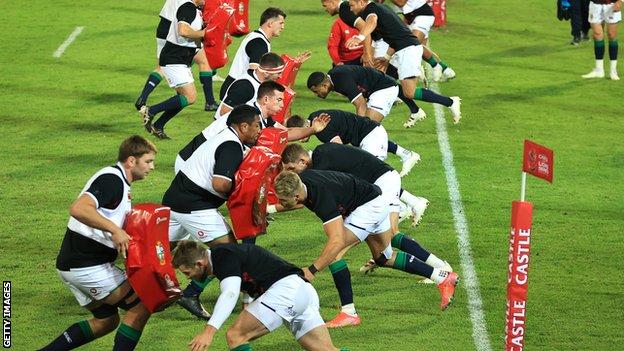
254,45
605,13
93,240
353,210
203,185
349,128
419,17
245,89
183,42
205,72
405,49
282,295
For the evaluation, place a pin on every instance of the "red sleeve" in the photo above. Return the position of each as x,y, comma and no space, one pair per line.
333,42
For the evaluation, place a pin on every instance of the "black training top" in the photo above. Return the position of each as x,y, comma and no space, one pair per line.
348,159
332,194
258,267
350,127
351,80
177,54
389,26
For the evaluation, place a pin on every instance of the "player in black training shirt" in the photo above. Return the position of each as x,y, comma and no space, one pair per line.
405,52
282,295
92,242
352,210
349,128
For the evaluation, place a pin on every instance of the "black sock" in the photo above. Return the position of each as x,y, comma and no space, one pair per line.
126,338
392,147
206,79
406,244
599,49
410,103
152,81
613,49
173,102
410,264
429,96
165,117
342,279
76,335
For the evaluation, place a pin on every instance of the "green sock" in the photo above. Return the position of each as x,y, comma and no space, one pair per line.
243,347
418,94
432,61
443,64
183,101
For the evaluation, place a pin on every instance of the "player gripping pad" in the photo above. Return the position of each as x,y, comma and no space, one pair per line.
284,113
247,203
289,74
148,265
240,22
273,138
217,38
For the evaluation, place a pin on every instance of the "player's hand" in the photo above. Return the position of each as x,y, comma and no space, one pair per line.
339,63
367,60
354,41
202,340
121,239
303,57
617,6
381,64
320,122
307,274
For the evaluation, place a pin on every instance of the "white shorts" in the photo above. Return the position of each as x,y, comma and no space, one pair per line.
422,24
376,143
380,48
382,100
390,184
369,219
177,75
93,283
290,300
203,225
603,13
407,61
160,44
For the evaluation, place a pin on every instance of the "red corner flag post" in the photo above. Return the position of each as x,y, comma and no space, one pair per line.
538,161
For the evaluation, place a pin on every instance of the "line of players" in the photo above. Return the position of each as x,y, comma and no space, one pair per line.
349,187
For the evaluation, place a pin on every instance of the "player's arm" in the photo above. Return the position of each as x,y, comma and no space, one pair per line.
360,105
318,124
230,289
366,27
334,229
104,191
185,15
399,3
228,158
254,50
238,93
336,140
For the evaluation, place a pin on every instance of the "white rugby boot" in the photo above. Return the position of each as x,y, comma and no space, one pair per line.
448,73
415,117
456,109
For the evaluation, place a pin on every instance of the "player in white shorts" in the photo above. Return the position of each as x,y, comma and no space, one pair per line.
92,242
282,295
605,13
353,210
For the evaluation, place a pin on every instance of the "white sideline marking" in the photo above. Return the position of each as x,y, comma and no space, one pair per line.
469,278
70,39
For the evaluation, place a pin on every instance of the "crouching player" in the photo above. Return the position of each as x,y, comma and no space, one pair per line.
93,239
282,295
353,210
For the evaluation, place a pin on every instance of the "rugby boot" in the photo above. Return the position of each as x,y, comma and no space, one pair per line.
147,118
409,162
369,267
456,109
448,73
595,73
614,75
418,209
159,133
211,107
436,73
447,290
415,117
192,304
447,267
343,319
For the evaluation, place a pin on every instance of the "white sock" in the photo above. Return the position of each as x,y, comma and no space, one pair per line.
438,275
349,309
613,65
434,261
599,65
408,198
403,153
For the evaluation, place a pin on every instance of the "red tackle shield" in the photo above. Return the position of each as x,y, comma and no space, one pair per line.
284,113
240,23
217,38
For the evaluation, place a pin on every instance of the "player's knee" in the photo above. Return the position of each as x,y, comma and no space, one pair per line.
191,97
234,337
